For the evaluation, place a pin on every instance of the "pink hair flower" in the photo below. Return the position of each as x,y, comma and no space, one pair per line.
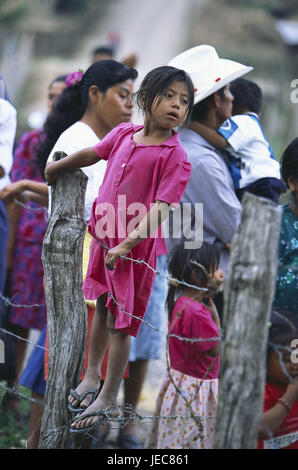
74,78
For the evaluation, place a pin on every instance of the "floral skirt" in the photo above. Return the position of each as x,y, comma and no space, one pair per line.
182,427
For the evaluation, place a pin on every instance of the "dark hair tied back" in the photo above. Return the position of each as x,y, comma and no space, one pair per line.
72,103
203,261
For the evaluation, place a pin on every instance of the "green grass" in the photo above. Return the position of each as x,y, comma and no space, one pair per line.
13,434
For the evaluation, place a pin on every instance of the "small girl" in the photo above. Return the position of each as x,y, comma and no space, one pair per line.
147,170
191,386
279,429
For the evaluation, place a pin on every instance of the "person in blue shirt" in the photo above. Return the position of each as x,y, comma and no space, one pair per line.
252,163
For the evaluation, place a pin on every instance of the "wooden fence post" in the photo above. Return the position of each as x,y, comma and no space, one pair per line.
249,290
66,309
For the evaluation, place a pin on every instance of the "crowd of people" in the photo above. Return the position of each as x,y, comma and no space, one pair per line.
202,141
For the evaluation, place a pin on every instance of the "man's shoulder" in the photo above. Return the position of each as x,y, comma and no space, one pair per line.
200,152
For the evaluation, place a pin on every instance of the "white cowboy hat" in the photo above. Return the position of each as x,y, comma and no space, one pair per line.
208,72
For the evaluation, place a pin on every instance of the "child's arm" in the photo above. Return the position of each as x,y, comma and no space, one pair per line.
274,417
150,222
13,190
82,158
215,350
210,135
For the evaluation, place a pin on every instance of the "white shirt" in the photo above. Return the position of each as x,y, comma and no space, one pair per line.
77,137
248,143
8,125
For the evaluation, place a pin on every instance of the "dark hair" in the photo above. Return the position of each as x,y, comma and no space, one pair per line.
108,50
289,161
60,78
182,262
200,109
247,96
282,330
157,81
73,101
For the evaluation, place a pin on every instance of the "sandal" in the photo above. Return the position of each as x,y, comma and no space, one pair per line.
87,415
80,398
103,413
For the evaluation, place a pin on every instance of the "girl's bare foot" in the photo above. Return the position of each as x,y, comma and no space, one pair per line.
101,408
88,383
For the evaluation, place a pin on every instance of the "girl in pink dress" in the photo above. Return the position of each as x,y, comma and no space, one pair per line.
147,171
190,389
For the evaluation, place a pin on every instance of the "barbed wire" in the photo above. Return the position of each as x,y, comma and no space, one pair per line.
170,279
30,208
130,413
7,301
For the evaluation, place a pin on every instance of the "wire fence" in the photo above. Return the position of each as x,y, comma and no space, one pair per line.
128,414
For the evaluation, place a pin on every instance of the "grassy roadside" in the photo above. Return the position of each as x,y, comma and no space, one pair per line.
14,428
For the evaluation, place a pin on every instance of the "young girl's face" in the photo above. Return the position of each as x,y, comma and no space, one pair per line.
172,109
275,373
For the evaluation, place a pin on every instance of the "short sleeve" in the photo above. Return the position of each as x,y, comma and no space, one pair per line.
105,146
174,178
200,325
237,131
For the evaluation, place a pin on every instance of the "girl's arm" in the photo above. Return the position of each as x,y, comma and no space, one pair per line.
274,417
148,225
213,352
34,197
210,135
13,190
82,158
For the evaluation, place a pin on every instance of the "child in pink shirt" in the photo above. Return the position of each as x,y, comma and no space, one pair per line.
147,171
191,386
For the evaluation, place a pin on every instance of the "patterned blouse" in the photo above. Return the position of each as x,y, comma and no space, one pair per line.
32,223
286,294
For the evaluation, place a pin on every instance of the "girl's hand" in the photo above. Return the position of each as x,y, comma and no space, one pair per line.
11,190
50,173
113,255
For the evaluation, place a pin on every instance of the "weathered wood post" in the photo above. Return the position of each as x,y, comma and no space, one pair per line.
249,290
66,309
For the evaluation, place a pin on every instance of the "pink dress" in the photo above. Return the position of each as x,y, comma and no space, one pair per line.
190,388
136,176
